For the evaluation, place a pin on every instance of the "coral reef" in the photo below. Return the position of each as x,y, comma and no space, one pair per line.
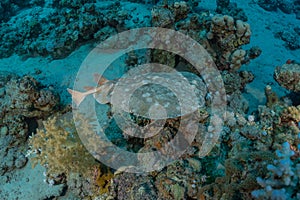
177,181
72,163
286,6
26,97
102,179
180,10
234,81
239,180
58,148
291,113
250,146
58,28
59,137
94,184
290,37
271,96
283,178
288,76
221,35
12,149
297,8
180,180
9,8
224,7
290,117
132,186
23,102
256,156
162,17
226,36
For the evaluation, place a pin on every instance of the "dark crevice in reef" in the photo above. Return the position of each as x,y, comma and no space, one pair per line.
32,125
295,97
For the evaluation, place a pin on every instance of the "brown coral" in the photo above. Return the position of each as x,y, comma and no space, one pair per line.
288,76
102,178
162,17
272,98
24,96
227,36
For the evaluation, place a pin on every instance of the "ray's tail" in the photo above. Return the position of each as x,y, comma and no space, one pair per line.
77,97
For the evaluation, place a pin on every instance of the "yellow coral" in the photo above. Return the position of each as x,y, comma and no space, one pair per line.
57,146
102,179
291,113
291,117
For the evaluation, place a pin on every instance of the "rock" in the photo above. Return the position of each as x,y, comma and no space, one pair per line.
3,131
286,6
269,5
21,161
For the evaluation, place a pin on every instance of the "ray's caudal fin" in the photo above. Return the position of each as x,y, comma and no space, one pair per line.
77,97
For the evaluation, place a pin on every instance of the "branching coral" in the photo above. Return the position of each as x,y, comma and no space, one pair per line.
57,146
102,179
290,117
239,180
291,113
284,179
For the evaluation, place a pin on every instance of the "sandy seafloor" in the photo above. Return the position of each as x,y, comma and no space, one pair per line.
27,183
